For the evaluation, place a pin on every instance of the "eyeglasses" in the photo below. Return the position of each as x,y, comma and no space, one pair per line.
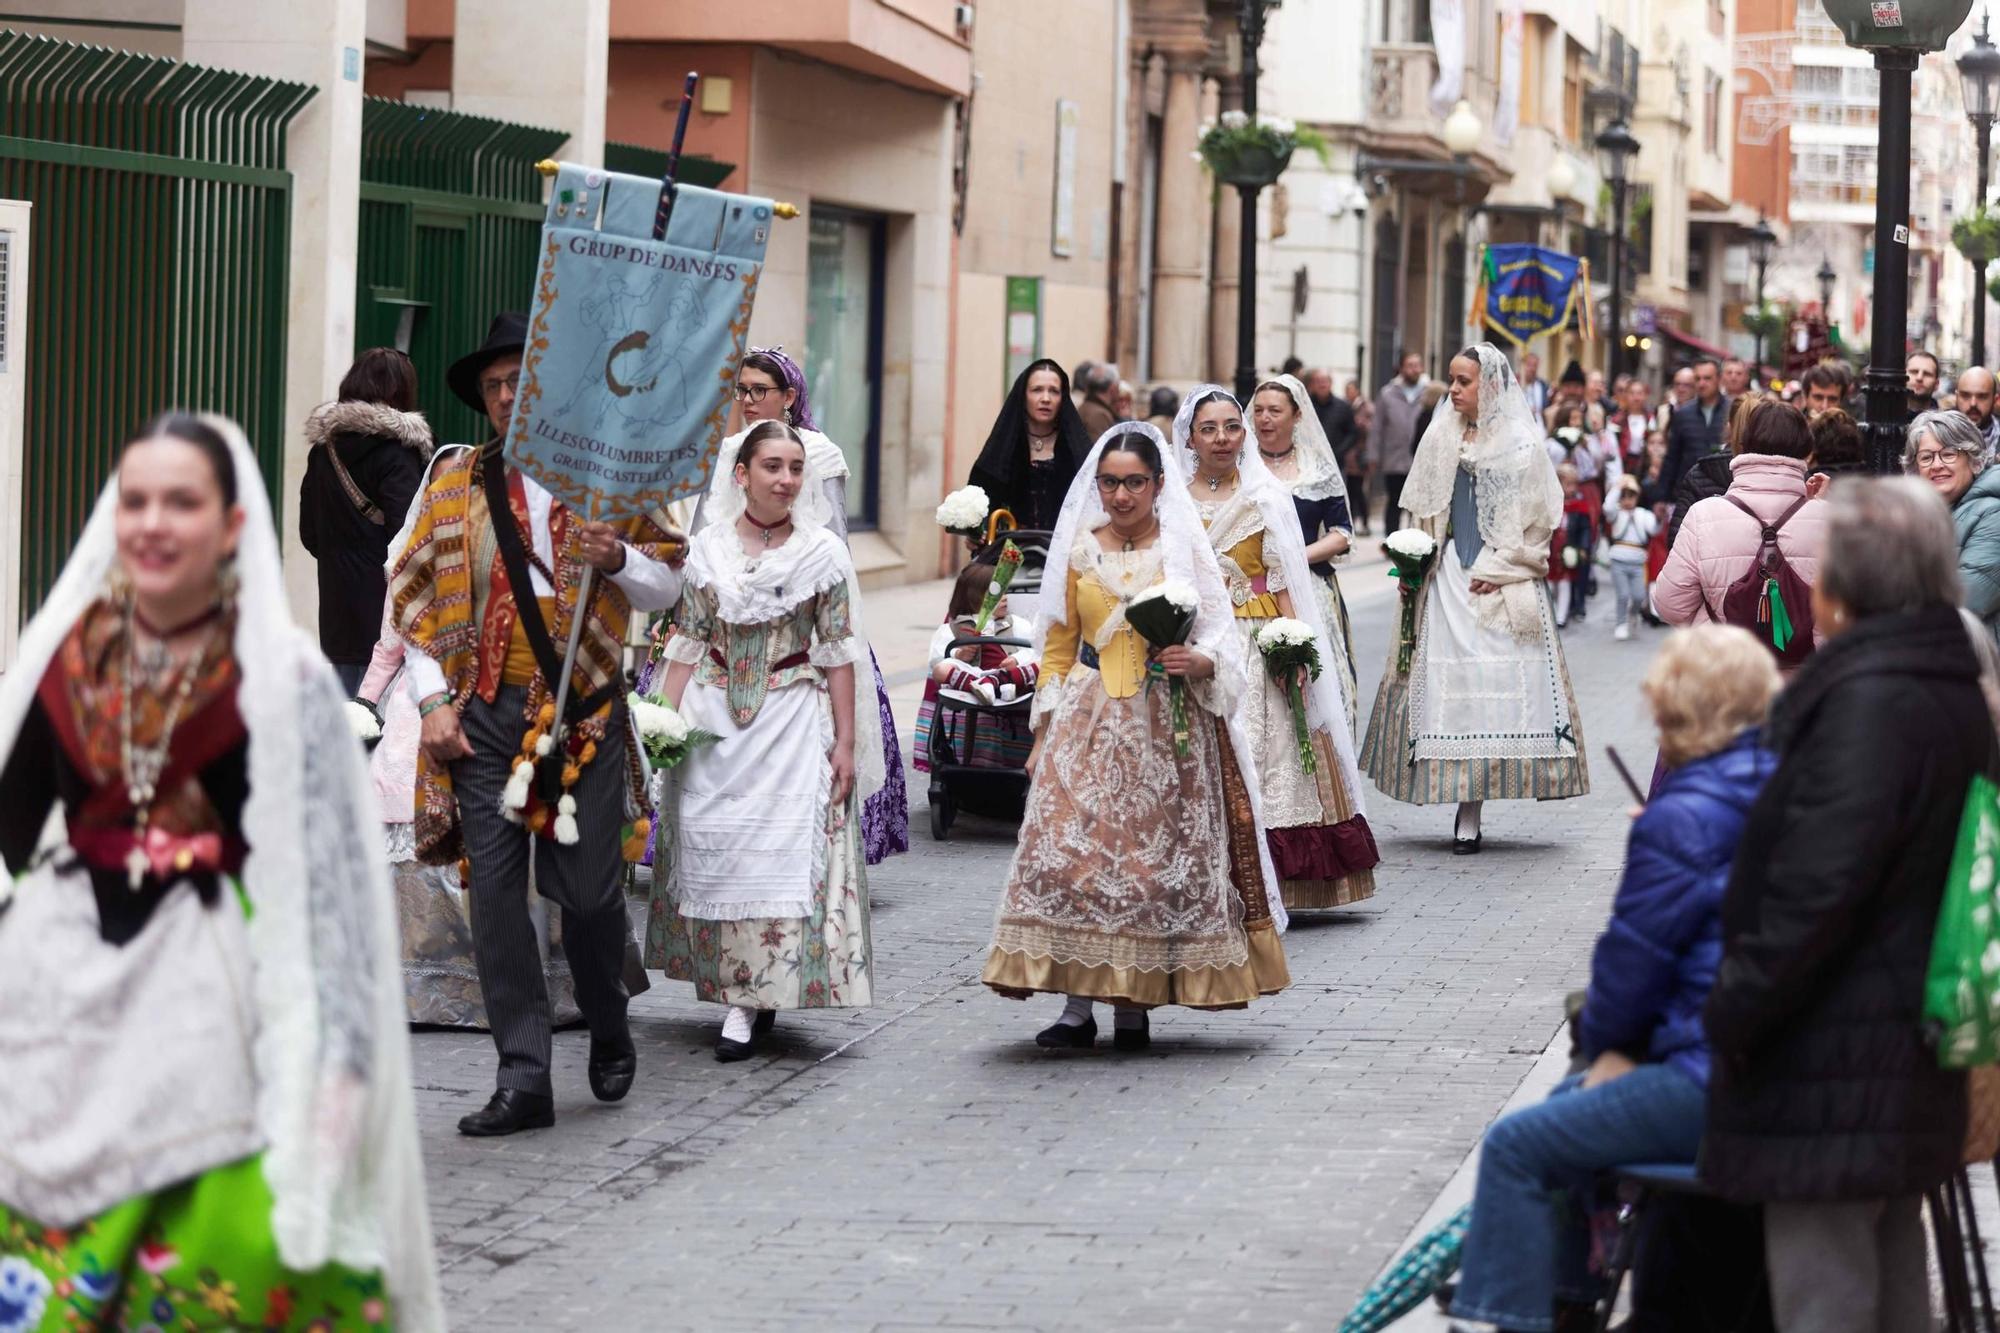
1932,457
492,388
1110,485
754,393
1227,430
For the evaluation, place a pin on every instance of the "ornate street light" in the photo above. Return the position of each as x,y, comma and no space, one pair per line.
1762,238
1615,148
1462,130
1827,277
1250,25
1979,81
1897,33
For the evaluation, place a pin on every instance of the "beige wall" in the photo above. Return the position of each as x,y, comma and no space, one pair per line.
821,135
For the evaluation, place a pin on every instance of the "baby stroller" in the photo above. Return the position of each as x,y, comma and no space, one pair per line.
974,739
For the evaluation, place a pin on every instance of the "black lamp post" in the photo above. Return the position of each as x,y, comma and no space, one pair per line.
1615,147
1250,26
1827,277
1762,238
1897,35
1979,81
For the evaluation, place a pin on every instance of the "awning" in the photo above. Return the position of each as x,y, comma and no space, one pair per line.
1686,339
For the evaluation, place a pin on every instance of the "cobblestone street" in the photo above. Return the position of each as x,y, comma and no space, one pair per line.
921,1165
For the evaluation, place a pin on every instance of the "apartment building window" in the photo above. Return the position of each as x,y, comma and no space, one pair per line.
1711,130
1534,36
1572,92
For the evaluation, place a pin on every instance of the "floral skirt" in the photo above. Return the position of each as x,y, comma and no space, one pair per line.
1321,846
195,1257
975,739
1137,876
821,961
434,921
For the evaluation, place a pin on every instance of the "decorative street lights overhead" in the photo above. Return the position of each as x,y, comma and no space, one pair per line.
1615,149
1898,32
1979,81
1762,238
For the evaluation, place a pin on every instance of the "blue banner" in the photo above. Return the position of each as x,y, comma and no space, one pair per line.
632,342
1529,290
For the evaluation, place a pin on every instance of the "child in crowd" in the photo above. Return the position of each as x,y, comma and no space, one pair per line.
991,673
1631,531
1571,548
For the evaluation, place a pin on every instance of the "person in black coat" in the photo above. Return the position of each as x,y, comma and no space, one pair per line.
1697,427
368,454
1826,1102
1034,449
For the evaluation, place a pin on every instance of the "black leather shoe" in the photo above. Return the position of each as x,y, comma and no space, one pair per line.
510,1112
611,1071
729,1052
766,1020
1133,1039
1468,846
1068,1036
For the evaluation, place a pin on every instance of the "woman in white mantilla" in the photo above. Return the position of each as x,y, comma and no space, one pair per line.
206,1110
1293,445
1485,711
760,891
1320,844
1141,876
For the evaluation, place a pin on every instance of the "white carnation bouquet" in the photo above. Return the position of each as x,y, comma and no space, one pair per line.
365,721
1411,551
1164,616
964,512
1291,655
667,736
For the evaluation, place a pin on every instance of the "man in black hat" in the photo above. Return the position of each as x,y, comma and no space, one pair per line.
484,595
1570,391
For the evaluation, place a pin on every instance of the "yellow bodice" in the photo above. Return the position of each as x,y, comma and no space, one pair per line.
1095,594
1248,556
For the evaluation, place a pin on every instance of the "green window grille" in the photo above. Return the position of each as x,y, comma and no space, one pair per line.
158,264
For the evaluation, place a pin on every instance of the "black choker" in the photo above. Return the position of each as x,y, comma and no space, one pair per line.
139,619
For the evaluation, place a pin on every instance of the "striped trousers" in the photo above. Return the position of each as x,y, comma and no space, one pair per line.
584,880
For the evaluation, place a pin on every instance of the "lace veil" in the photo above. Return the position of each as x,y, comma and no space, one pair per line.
1326,706
1519,499
1187,558
332,1058
824,505
1319,471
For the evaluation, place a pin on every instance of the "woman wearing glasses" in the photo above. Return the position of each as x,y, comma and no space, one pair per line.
1141,876
1480,708
1320,844
770,386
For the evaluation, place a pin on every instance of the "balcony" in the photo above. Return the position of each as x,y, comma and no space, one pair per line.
1401,122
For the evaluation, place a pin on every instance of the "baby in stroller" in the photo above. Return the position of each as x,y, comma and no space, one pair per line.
987,673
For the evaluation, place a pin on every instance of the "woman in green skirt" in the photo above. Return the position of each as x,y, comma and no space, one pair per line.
207,1115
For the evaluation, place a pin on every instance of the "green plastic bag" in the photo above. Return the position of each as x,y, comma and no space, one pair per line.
1962,986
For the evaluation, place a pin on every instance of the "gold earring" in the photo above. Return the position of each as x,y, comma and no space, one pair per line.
228,583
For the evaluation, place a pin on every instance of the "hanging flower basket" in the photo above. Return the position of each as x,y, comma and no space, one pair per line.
1767,321
1254,154
1977,236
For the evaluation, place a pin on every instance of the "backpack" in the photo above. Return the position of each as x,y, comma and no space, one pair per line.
1770,599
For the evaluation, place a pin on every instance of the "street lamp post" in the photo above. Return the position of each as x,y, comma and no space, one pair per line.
1250,26
1898,34
1827,277
1979,81
1762,238
1615,147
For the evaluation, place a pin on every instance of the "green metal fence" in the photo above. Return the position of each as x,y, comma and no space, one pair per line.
451,216
157,272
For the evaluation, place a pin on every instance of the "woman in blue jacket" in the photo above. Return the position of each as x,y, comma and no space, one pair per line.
1642,1098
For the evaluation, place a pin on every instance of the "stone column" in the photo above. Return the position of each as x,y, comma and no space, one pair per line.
319,44
1180,301
1225,254
534,63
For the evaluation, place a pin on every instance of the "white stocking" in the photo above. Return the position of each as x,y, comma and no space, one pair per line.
736,1023
1075,1013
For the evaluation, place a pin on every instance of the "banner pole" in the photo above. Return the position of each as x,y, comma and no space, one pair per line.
666,210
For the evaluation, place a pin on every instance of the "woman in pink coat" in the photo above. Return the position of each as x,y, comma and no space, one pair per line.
1718,542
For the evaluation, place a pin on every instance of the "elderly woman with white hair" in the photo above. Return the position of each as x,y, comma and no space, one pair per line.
1947,450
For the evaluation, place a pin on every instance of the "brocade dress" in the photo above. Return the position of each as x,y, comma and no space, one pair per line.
1321,846
1137,877
145,1121
762,900
1317,518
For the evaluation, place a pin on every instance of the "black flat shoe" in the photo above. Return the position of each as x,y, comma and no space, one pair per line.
766,1020
729,1052
1468,846
611,1071
1068,1036
509,1112
1133,1039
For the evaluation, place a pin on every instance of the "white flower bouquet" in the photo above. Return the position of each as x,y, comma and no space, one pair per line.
1291,655
1164,616
366,722
964,512
1411,551
667,736
1569,435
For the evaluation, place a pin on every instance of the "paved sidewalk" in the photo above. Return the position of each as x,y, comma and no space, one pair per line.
920,1165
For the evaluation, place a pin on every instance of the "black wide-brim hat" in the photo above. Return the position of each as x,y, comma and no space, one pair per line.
507,337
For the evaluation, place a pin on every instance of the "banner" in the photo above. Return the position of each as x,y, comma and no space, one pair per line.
1448,40
632,342
1526,291
1507,107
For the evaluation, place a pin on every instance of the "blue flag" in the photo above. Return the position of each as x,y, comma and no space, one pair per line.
1530,290
632,342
